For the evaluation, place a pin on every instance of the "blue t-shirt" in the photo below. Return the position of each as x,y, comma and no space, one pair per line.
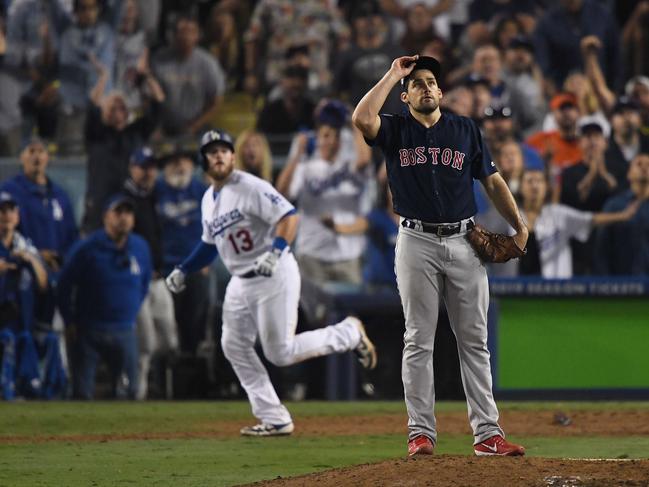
102,286
46,216
180,217
379,253
431,170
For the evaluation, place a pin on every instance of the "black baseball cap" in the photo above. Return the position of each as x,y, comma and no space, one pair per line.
625,103
119,200
521,42
474,80
425,62
7,199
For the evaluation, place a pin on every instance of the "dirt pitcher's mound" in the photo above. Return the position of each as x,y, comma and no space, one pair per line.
462,471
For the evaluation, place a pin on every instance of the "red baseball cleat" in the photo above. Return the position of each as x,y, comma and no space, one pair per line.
497,445
420,445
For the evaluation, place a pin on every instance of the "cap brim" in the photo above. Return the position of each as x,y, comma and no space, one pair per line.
218,142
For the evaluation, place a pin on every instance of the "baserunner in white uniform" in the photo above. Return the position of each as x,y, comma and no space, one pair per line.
250,225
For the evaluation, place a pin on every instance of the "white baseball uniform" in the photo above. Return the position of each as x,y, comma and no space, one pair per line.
240,220
554,227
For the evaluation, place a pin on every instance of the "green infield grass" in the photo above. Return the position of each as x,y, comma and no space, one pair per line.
54,444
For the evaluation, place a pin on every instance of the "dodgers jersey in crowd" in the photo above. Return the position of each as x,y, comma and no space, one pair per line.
334,189
431,170
240,219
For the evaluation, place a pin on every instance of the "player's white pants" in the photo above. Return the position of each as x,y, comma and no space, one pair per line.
267,307
156,329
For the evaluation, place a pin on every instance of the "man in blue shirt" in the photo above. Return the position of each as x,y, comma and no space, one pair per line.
46,216
179,193
101,288
623,248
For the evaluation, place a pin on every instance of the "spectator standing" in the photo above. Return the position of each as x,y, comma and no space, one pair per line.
278,24
156,326
637,88
252,154
498,128
34,30
47,219
221,40
558,34
369,56
524,82
131,56
623,249
587,185
192,80
326,177
83,43
281,118
626,141
103,283
552,226
112,135
382,229
560,148
179,193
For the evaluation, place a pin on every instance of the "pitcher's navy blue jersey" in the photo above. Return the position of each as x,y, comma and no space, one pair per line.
431,170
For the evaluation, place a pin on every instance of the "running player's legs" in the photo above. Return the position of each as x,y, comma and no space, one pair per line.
420,284
274,302
238,342
466,295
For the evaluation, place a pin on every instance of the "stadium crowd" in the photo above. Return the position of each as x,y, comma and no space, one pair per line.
560,90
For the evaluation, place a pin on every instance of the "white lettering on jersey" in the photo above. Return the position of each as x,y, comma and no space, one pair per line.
217,226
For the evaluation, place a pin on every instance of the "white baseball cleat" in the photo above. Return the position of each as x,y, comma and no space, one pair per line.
365,350
268,430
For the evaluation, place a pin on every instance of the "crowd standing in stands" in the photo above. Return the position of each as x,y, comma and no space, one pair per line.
559,89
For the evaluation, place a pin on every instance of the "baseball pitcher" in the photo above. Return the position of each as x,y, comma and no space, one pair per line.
432,159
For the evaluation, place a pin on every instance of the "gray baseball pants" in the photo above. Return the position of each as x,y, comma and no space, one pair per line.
431,268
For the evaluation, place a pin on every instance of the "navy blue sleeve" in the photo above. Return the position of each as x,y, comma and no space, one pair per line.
482,164
202,256
385,137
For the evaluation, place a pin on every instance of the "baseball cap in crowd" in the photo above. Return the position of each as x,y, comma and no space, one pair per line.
119,200
562,100
333,113
625,103
521,42
425,62
167,152
7,199
498,112
591,124
142,157
636,80
476,80
295,49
